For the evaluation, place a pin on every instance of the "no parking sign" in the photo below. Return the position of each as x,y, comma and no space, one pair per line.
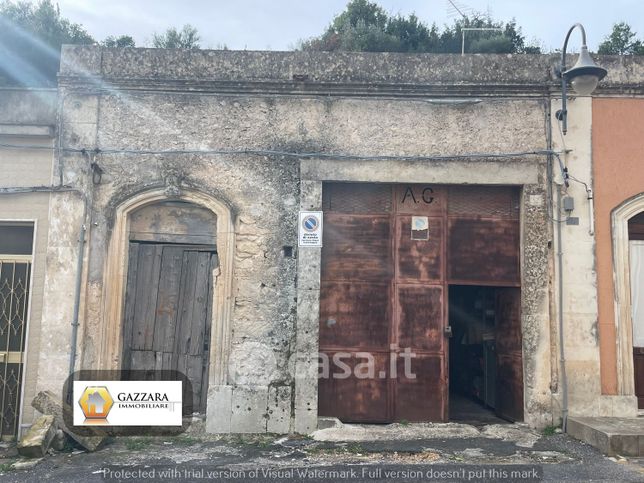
310,229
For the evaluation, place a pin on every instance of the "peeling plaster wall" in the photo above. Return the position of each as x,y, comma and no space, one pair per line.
131,103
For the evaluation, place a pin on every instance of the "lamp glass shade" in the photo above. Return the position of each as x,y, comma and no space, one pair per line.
585,74
584,85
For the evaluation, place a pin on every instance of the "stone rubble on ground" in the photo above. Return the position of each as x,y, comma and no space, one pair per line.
25,464
36,442
47,402
58,443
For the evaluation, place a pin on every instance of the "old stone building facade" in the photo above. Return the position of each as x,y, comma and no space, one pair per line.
189,170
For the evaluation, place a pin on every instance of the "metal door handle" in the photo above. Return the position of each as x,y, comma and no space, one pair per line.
448,331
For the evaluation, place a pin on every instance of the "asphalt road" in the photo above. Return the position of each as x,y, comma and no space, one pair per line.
553,458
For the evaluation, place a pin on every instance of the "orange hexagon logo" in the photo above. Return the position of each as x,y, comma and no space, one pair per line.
96,402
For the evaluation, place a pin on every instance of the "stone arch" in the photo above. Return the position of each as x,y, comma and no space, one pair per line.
621,279
116,275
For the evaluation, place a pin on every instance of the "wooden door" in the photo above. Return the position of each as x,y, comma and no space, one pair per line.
636,257
509,360
168,312
382,292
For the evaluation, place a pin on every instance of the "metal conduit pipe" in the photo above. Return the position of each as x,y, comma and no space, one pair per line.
36,189
77,288
562,353
79,272
554,216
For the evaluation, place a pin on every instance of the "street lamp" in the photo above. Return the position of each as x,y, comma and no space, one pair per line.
583,76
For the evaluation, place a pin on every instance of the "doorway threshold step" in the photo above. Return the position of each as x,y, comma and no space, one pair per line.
612,436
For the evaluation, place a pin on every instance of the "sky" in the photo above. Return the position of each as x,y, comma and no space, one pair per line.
279,24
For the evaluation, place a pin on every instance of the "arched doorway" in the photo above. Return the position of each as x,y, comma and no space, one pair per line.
110,355
627,223
172,254
636,266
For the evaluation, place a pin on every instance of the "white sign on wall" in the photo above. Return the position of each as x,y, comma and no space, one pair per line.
310,229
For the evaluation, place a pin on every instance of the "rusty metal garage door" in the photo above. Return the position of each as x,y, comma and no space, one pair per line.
383,292
389,254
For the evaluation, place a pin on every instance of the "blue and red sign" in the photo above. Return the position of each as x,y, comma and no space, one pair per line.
310,229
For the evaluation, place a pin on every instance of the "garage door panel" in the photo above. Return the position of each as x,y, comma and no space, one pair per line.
509,376
357,198
419,260
355,314
483,250
423,397
508,321
361,397
509,360
420,317
356,248
484,201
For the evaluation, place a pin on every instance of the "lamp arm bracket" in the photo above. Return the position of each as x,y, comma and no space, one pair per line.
565,45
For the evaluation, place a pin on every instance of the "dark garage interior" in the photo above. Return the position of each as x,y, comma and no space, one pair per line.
474,379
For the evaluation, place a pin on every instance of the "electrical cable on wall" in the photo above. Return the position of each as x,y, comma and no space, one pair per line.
293,154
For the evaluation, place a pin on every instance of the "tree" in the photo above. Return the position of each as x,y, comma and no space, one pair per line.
118,42
365,26
412,34
621,41
361,11
186,38
30,40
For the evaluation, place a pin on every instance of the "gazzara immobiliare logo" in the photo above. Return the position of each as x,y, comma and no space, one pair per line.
96,402
128,403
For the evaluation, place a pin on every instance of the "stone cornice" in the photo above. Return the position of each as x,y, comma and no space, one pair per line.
331,74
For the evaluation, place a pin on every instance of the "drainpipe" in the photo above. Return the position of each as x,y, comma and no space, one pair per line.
555,214
562,354
79,267
77,287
